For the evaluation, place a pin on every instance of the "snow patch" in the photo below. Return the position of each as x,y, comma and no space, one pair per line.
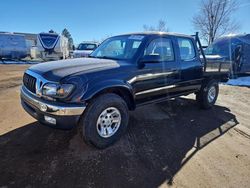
241,81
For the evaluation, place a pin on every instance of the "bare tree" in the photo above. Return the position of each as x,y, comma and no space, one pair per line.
215,19
162,26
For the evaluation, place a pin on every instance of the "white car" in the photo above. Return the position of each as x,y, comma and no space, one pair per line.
84,49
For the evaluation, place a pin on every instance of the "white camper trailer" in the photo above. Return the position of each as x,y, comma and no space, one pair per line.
13,46
52,46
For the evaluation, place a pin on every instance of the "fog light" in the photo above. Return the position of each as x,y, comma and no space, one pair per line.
50,119
43,107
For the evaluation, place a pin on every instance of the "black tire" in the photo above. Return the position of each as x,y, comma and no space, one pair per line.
202,96
88,123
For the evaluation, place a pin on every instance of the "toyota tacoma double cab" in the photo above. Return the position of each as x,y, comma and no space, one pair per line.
123,73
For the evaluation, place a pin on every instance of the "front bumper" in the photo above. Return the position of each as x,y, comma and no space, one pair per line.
55,114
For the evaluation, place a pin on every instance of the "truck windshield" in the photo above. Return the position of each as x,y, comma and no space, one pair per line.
86,46
120,47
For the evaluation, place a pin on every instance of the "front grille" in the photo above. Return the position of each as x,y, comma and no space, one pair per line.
29,82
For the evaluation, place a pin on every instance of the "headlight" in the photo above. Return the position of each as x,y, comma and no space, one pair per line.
57,90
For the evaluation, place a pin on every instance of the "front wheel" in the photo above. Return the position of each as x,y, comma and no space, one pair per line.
105,120
208,94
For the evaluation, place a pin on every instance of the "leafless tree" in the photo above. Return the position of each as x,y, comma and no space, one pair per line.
215,19
162,26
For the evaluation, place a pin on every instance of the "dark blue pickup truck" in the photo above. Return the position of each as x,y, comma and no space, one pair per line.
123,73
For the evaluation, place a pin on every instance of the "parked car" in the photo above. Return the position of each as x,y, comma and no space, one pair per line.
84,49
123,73
52,46
13,46
231,51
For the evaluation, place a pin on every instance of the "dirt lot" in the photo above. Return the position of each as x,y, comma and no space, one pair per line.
169,144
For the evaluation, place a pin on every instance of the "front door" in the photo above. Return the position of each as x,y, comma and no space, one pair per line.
157,80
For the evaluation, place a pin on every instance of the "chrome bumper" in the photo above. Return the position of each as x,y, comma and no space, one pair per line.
54,108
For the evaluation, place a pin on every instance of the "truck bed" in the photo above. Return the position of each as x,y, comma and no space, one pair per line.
213,66
217,69
219,65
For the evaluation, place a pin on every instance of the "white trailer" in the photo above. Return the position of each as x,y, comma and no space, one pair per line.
52,46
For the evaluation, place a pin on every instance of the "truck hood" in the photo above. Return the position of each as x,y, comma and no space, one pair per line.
56,70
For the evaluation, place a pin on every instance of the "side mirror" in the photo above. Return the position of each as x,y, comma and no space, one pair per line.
73,47
155,58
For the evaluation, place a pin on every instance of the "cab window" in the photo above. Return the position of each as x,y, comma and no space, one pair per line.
162,47
186,48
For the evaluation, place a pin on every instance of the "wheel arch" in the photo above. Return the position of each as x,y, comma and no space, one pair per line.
123,90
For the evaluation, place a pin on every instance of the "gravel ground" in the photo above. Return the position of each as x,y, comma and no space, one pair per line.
172,144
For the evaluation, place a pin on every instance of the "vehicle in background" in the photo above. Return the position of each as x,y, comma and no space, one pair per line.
13,46
84,49
231,51
52,46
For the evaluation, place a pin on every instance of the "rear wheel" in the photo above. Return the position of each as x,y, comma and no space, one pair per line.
105,120
208,94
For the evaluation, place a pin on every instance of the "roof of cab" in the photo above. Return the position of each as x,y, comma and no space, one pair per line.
157,33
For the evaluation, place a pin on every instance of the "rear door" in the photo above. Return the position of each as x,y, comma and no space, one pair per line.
157,80
191,67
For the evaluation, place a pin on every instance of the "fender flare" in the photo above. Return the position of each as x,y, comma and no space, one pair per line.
95,89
